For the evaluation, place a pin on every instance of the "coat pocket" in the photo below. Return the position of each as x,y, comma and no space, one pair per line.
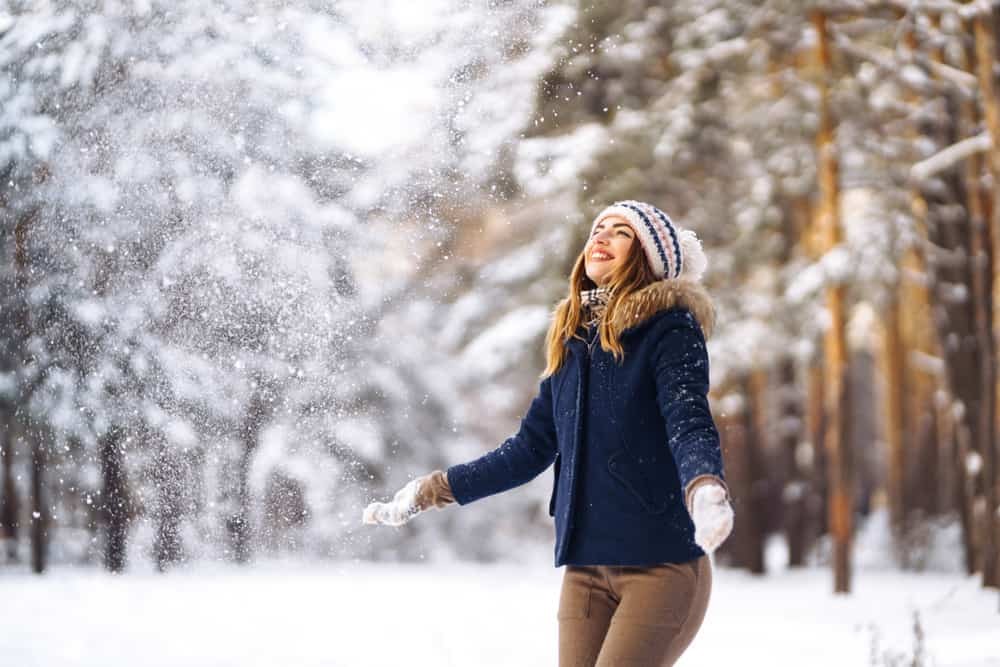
555,485
643,478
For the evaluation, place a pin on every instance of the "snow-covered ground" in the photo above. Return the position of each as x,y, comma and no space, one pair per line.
361,614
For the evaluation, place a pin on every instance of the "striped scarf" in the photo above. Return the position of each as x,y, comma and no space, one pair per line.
594,301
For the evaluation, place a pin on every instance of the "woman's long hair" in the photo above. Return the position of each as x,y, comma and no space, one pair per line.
632,275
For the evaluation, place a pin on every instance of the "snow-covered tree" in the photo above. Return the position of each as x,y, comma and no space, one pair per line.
214,346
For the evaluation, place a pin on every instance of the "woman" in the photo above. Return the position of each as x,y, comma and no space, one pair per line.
639,498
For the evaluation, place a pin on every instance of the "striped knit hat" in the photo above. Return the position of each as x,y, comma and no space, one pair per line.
672,252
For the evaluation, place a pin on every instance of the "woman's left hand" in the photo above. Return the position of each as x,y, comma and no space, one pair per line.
712,515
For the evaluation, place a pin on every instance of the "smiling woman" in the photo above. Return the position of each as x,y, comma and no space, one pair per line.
622,415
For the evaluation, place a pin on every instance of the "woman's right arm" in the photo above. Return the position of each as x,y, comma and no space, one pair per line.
519,459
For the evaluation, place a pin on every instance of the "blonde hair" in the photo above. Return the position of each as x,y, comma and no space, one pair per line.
634,274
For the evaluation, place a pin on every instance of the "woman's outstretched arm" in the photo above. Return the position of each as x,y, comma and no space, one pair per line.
519,459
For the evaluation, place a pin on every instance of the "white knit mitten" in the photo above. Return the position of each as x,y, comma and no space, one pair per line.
712,515
399,510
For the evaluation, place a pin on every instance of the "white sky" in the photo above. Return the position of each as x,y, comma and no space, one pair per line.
368,108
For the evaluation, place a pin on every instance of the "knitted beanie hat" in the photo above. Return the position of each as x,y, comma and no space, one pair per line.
672,252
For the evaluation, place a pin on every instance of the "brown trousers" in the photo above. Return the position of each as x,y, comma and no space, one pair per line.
634,616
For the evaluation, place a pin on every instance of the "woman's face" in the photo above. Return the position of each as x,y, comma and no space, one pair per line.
607,247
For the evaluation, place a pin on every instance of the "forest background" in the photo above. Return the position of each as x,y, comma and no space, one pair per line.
263,263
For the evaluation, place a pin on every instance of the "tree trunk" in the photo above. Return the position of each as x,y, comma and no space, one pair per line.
862,429
924,460
115,501
756,395
39,507
817,505
746,543
10,511
839,468
794,494
169,476
985,28
792,414
9,501
240,526
944,429
894,370
952,240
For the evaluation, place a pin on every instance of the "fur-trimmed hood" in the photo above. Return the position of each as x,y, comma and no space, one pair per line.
643,303
662,295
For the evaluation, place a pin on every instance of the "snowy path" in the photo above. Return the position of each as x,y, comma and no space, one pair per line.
355,615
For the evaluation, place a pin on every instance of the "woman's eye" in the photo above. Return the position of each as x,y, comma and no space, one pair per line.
625,234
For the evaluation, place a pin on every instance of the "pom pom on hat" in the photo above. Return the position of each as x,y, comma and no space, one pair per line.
672,252
695,261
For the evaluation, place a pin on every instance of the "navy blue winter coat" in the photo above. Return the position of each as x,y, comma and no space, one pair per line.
627,438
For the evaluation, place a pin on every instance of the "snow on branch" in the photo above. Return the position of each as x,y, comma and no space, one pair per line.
903,7
889,61
714,54
950,156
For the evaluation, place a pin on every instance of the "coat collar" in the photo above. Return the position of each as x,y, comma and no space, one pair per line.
663,295
642,304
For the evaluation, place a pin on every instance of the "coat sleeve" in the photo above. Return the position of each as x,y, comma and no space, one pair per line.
519,459
681,371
